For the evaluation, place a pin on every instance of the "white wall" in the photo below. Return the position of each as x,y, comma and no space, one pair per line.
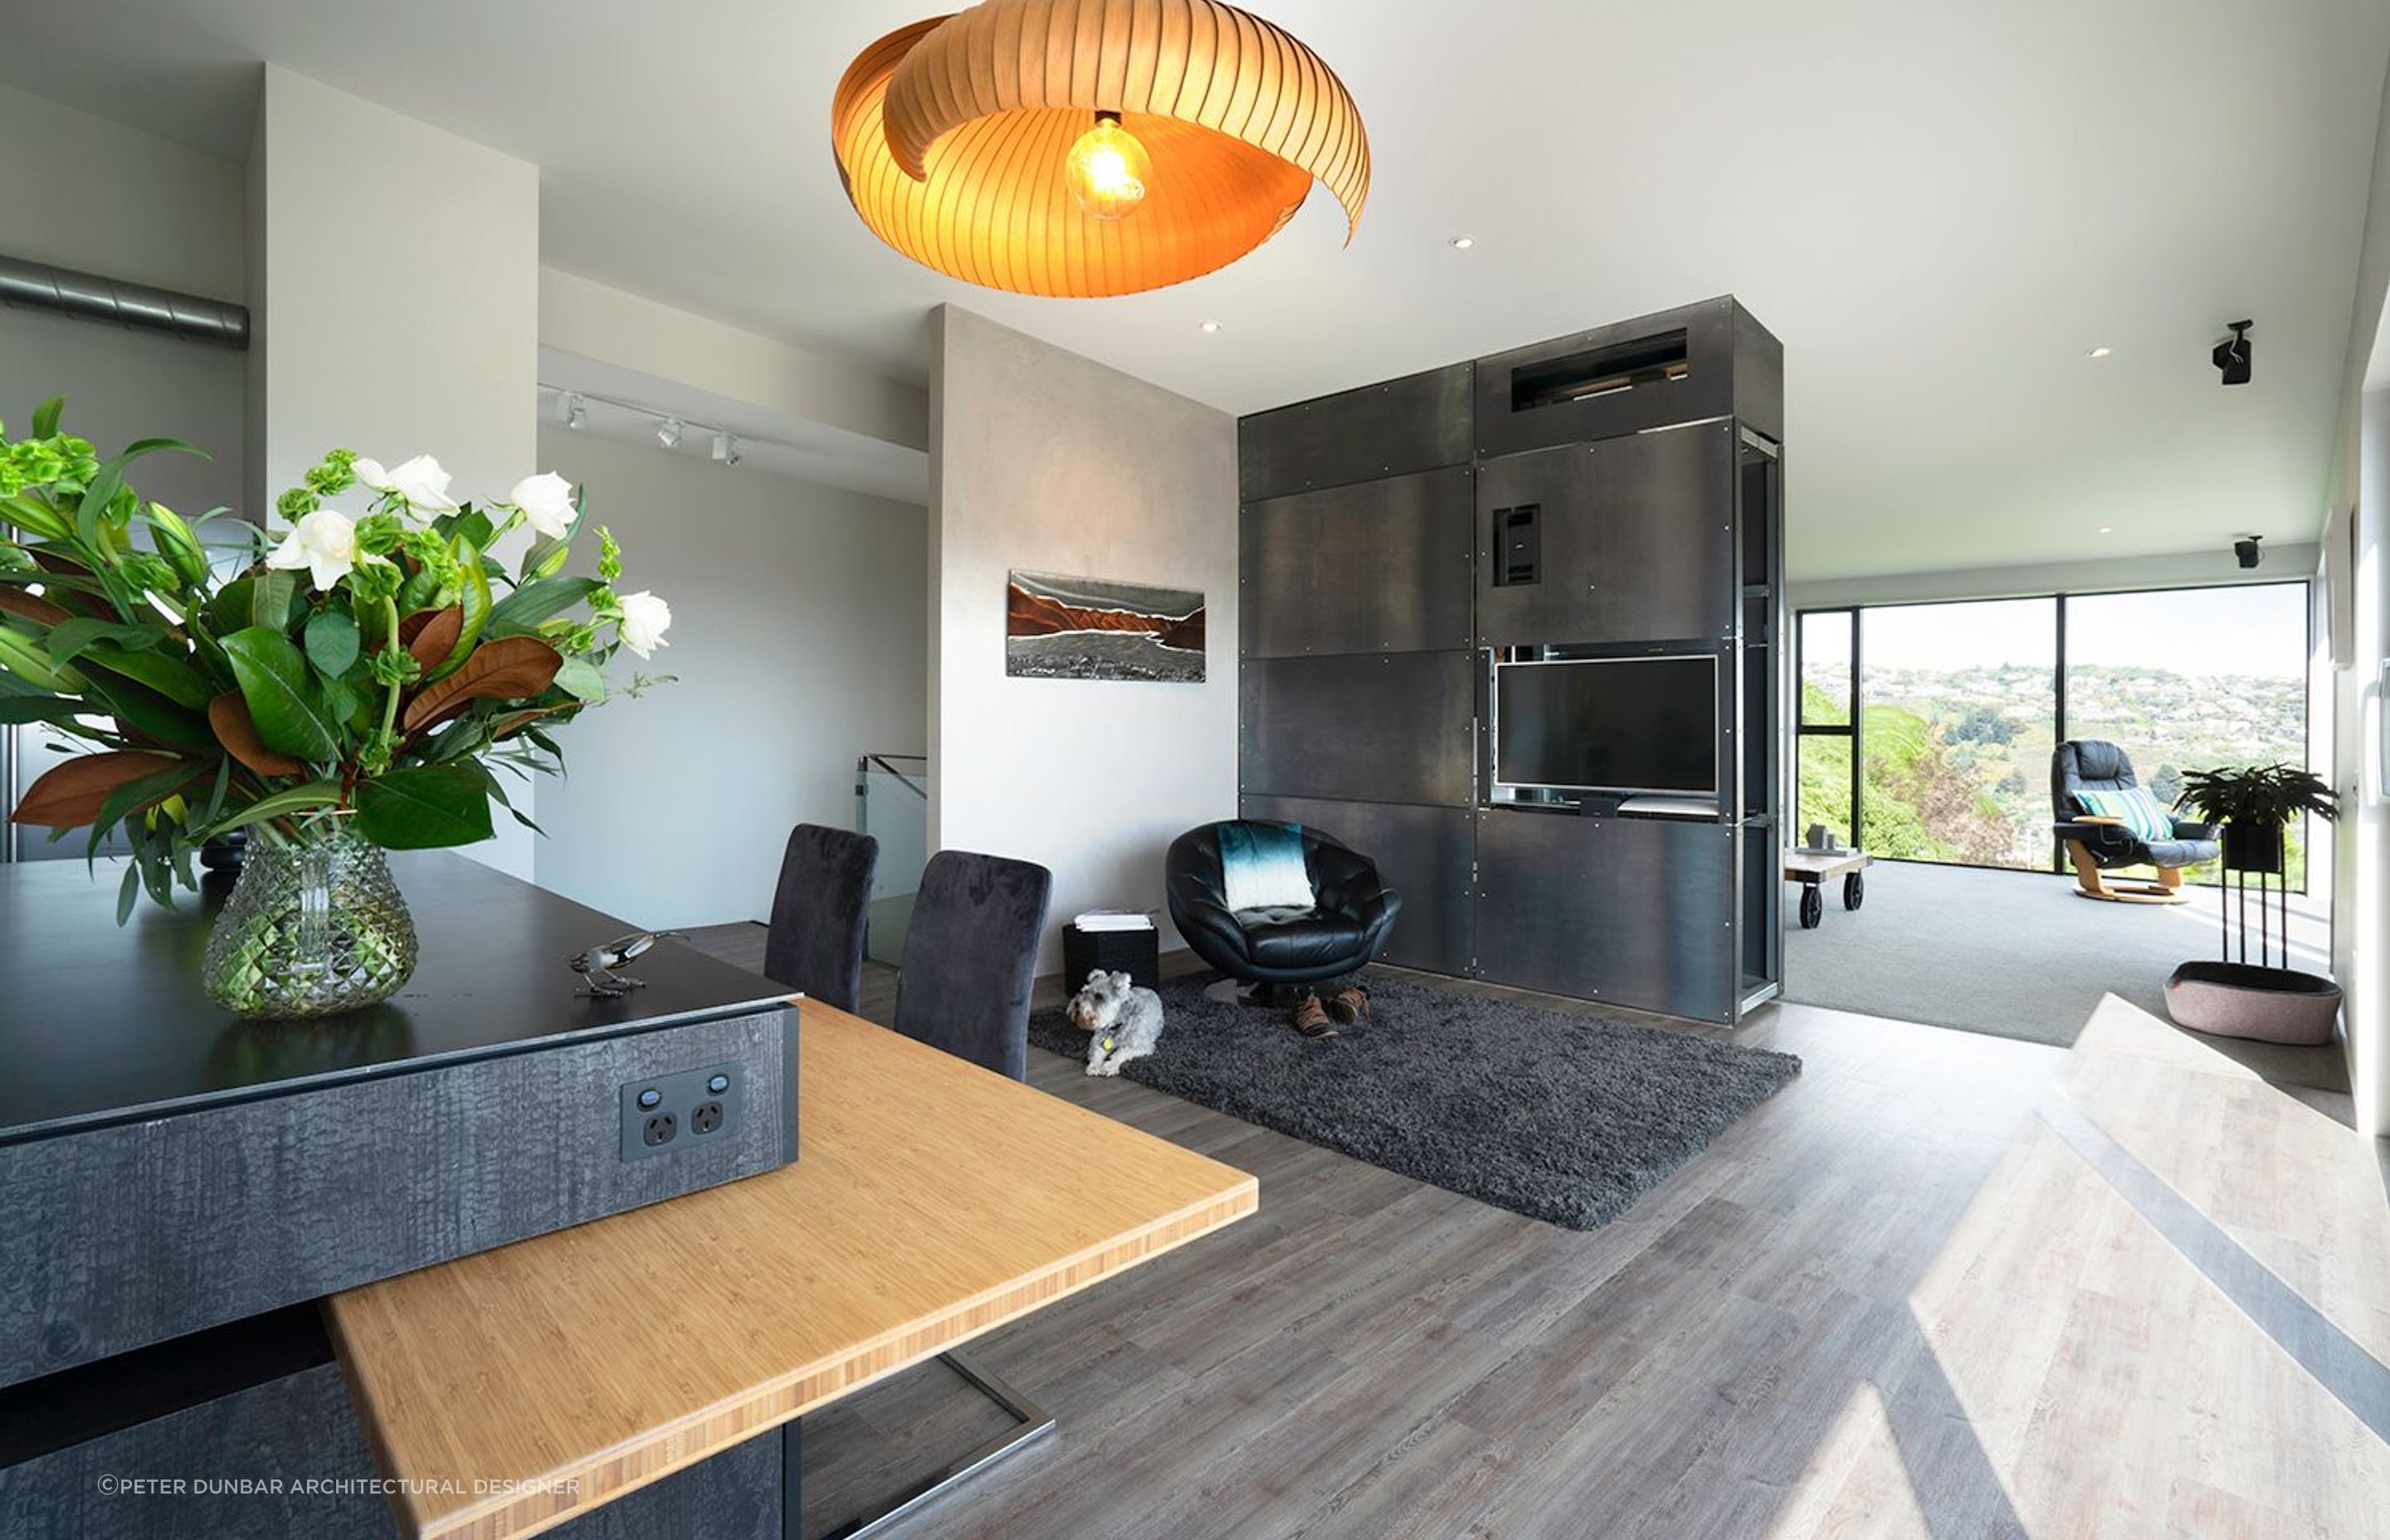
80,192
799,617
2361,930
1045,460
395,275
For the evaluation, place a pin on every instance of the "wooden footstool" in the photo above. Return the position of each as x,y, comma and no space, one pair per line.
1810,868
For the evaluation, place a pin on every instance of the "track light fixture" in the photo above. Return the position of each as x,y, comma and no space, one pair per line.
669,434
569,409
726,448
672,430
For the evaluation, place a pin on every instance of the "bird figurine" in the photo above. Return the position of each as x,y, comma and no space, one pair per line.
598,966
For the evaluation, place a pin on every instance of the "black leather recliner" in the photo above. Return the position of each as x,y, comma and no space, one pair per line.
1351,914
2095,764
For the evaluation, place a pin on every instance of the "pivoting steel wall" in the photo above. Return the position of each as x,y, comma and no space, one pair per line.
1371,621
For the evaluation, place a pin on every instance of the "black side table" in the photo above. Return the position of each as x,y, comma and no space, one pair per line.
1135,953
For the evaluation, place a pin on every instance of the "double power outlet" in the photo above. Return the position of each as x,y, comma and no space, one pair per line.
665,1113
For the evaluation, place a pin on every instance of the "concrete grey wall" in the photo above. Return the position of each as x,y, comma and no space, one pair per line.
1042,460
799,614
80,192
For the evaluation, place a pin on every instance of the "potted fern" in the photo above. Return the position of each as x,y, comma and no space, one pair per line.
351,682
2232,997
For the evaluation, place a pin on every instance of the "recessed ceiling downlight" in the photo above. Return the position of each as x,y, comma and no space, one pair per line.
2103,351
1209,329
1462,243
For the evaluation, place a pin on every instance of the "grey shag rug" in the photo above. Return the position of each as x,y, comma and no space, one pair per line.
1554,1115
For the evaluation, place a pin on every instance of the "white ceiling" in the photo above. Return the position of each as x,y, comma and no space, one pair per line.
1939,208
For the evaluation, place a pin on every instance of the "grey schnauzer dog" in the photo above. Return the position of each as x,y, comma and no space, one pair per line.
1122,1021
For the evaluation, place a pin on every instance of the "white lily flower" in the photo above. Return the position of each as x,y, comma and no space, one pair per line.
420,482
546,503
645,620
324,542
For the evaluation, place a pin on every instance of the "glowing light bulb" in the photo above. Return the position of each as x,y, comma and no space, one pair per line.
1107,169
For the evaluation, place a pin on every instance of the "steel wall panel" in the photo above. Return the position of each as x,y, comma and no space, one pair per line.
1422,852
1633,911
1707,389
1380,565
1638,541
1415,423
1392,728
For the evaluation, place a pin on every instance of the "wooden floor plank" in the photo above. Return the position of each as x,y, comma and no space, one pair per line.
1889,1302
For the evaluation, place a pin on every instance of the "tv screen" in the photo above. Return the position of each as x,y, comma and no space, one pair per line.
1608,724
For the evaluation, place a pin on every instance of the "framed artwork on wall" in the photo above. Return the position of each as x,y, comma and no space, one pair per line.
1058,627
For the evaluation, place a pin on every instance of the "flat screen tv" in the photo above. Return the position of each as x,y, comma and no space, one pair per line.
1645,725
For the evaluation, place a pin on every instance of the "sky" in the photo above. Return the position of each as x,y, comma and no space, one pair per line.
2259,630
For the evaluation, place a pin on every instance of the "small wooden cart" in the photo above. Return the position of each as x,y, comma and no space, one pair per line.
1811,867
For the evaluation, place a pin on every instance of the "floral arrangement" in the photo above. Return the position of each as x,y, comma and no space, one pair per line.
366,672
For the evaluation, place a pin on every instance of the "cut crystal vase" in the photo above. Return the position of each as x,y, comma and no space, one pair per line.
315,926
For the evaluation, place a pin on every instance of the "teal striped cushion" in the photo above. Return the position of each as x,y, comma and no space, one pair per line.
2134,804
1261,866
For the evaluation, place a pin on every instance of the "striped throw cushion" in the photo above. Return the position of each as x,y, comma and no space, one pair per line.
2140,811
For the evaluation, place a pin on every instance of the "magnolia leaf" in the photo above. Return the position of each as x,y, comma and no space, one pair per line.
289,712
147,791
426,808
270,597
143,713
169,676
512,668
332,644
30,606
72,793
431,634
228,714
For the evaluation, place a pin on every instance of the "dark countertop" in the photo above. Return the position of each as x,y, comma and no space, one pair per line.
101,1025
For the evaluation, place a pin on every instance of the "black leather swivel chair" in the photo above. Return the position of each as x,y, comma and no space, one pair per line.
819,913
1351,914
970,960
2095,844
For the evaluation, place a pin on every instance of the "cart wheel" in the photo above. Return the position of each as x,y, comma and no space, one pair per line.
1812,906
1853,890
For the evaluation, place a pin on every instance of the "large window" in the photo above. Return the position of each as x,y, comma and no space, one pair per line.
1928,727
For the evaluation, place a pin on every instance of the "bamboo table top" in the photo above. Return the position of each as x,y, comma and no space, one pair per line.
932,1201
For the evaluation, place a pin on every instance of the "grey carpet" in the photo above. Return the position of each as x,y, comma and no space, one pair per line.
2011,954
1554,1115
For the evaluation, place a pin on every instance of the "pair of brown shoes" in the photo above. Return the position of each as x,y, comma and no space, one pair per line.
1348,1007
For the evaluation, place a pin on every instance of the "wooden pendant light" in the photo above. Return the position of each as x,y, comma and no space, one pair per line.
952,134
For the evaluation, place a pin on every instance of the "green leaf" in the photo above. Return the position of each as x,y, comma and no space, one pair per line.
140,793
110,478
580,678
129,894
68,639
332,643
540,599
18,709
427,808
46,417
299,798
270,600
473,599
289,711
149,712
31,663
169,676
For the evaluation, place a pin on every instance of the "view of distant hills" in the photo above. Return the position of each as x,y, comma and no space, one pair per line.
1957,760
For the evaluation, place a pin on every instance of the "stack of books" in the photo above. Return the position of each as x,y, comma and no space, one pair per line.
1114,920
